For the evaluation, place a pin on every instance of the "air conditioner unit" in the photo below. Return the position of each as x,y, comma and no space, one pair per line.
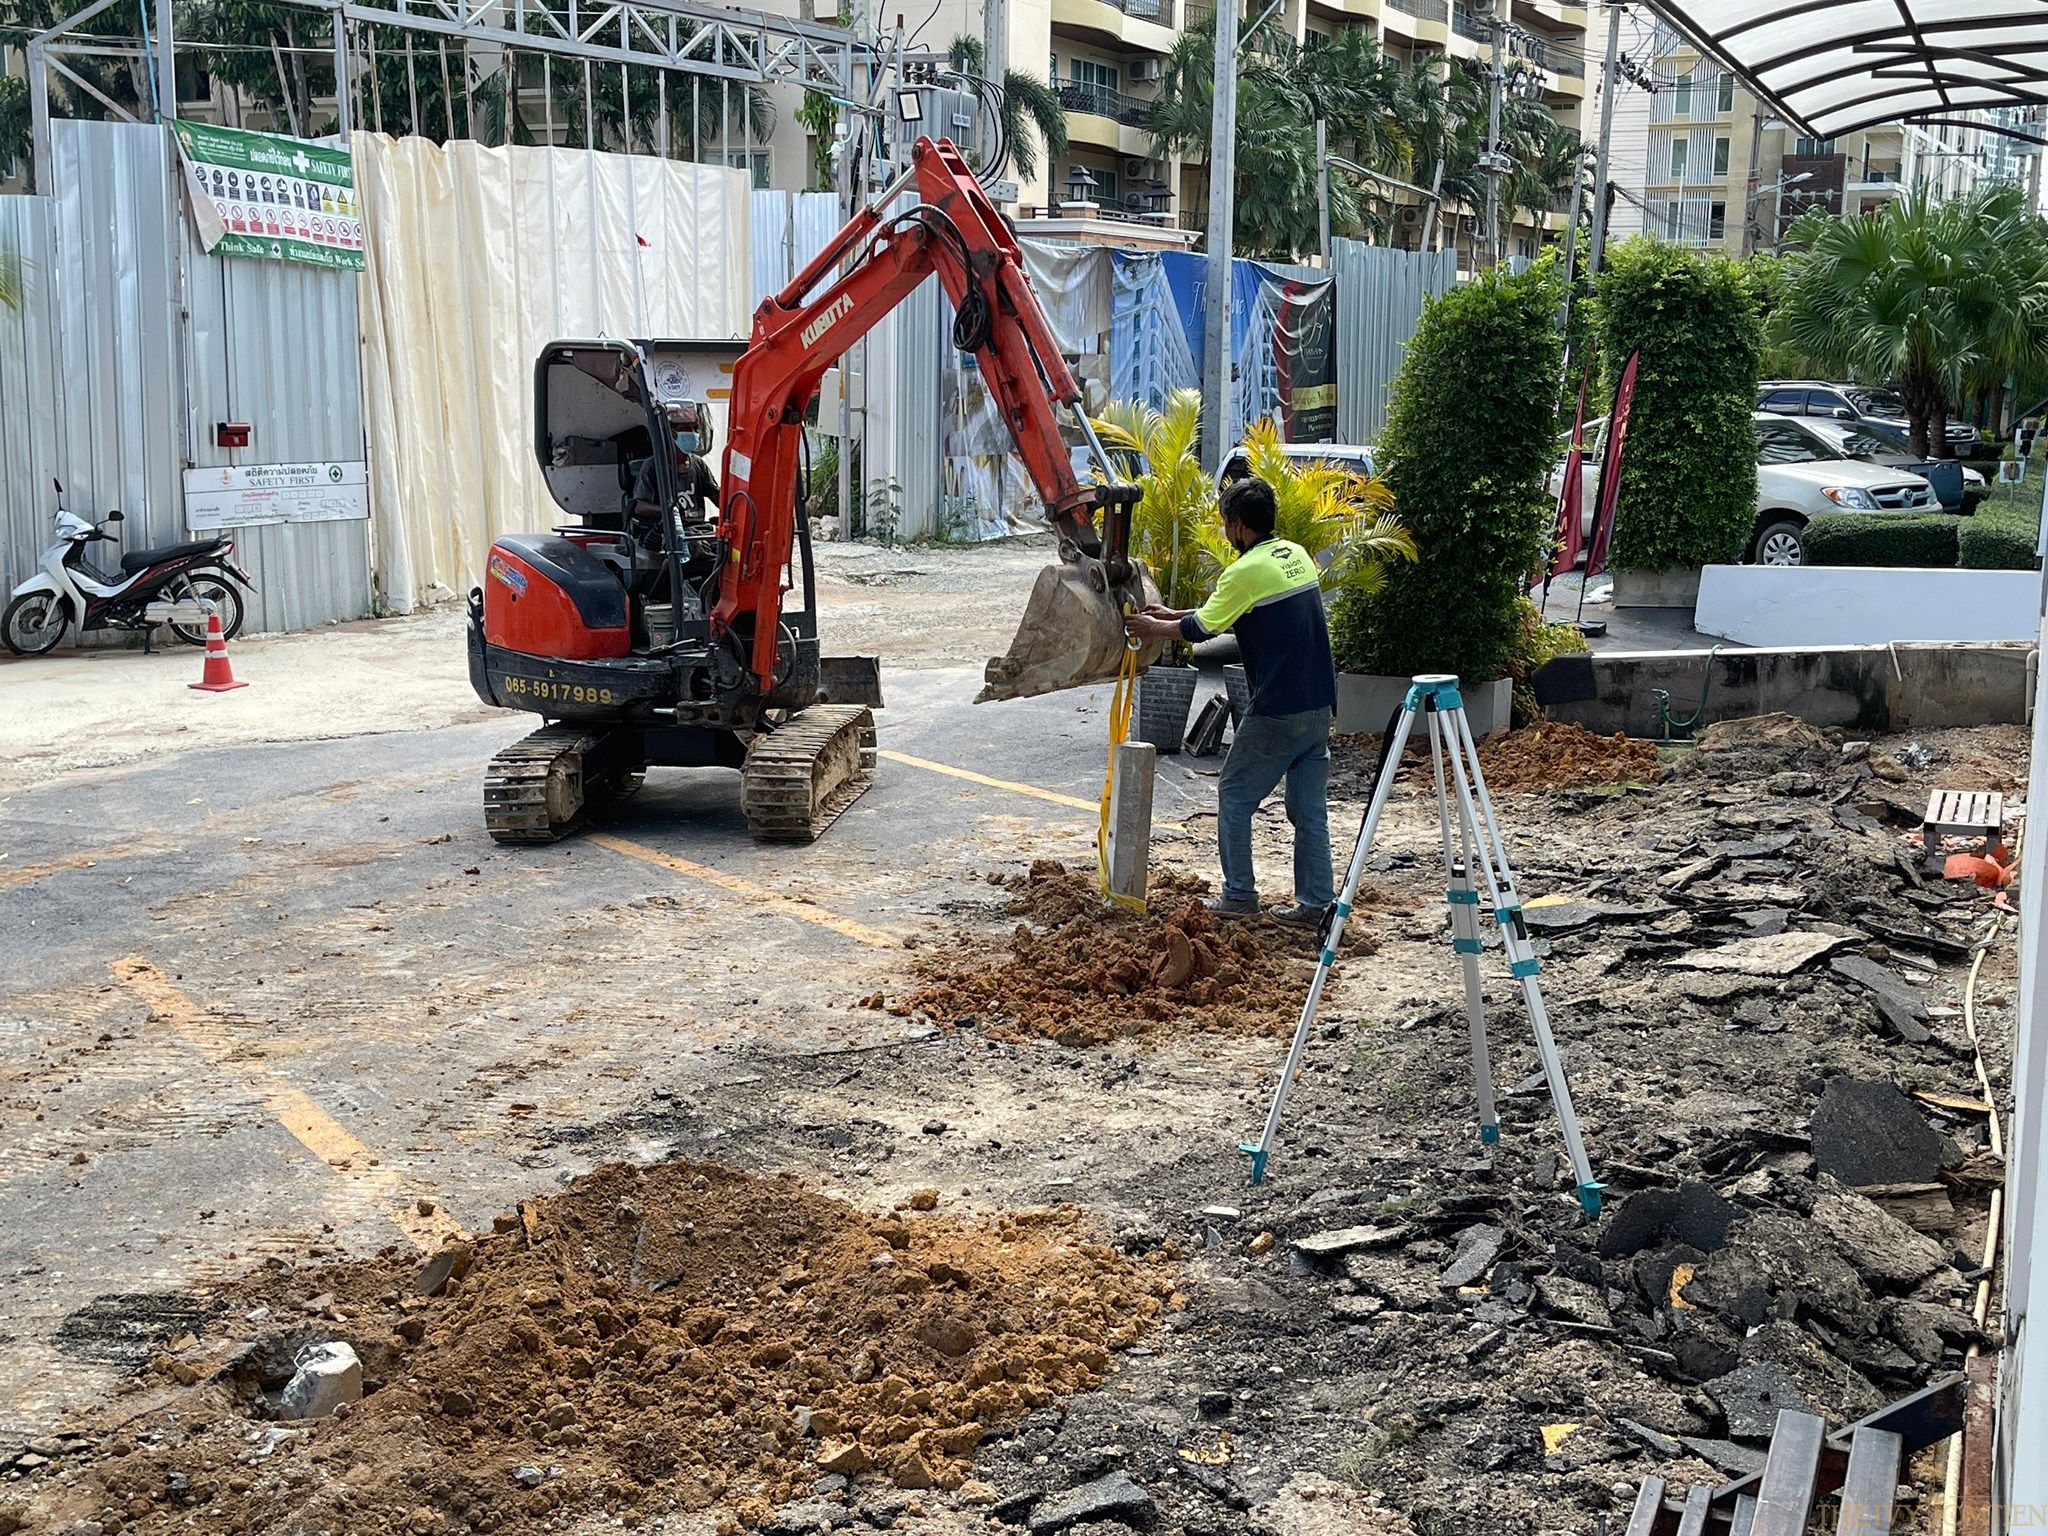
1147,69
1135,167
1411,216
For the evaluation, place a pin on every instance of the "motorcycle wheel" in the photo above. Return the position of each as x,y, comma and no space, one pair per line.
34,623
216,592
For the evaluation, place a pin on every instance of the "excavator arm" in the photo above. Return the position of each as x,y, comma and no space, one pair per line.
956,232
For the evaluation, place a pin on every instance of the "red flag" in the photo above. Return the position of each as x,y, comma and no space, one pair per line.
1567,533
1610,470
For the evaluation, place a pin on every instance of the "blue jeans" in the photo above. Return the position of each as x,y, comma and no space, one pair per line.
1267,749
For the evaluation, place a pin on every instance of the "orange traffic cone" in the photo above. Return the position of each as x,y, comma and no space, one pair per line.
218,676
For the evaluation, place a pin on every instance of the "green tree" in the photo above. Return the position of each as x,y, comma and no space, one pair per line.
1688,480
1284,88
1934,298
1031,110
1472,498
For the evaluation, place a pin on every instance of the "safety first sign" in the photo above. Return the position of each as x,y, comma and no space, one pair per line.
238,495
264,195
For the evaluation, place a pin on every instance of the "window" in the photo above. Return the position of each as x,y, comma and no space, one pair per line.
1726,103
1717,218
1678,147
1091,72
1813,146
1104,190
1789,402
1860,444
1055,69
1721,156
1681,96
757,161
1781,442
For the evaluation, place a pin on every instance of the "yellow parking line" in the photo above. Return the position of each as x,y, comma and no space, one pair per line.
788,906
1054,796
85,858
1074,802
311,1126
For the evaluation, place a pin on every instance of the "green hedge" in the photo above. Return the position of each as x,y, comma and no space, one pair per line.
1470,436
1688,479
1882,538
1990,544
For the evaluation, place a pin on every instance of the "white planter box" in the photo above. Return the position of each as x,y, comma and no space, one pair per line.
1806,605
1365,699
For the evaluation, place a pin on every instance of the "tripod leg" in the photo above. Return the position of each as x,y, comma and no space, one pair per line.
1261,1149
1522,962
1464,904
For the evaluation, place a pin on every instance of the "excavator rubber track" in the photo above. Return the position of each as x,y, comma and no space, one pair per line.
543,786
800,776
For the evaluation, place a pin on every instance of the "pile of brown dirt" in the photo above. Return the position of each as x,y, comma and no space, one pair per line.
1090,974
669,1338
1757,746
1560,756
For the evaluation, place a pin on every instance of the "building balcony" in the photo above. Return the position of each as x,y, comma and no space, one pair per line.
1468,23
1437,11
1142,24
1103,101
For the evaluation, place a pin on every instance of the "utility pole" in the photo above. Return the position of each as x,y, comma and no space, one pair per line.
166,63
1491,162
1607,82
995,54
1323,191
1222,210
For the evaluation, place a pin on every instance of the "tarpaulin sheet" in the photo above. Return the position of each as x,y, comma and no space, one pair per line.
478,257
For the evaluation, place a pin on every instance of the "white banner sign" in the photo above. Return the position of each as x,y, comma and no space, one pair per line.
236,496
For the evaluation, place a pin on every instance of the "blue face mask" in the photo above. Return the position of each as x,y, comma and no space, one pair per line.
687,441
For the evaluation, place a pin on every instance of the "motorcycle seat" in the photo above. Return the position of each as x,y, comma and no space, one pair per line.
143,559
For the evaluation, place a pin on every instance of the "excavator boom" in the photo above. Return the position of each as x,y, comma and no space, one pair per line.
1072,632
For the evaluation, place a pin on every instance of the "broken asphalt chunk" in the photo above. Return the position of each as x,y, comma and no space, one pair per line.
1884,1248
1114,1497
451,1263
1477,1247
1338,1241
1691,1214
1750,1396
1776,954
1871,1133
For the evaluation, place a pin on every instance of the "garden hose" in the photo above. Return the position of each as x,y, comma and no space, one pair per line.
1119,728
1670,722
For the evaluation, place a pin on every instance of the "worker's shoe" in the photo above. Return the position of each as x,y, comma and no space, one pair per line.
1295,915
1225,906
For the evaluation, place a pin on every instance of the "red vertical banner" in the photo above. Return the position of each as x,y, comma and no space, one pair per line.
1567,533
1610,470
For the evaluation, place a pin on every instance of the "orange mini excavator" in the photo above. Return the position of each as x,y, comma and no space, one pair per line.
664,629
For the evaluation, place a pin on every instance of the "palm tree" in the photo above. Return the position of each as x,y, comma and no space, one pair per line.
1345,521
1031,109
1547,156
1176,495
1927,296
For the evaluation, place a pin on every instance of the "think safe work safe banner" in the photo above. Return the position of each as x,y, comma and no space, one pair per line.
274,198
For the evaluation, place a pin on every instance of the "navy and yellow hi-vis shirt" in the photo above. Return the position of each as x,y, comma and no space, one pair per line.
1272,596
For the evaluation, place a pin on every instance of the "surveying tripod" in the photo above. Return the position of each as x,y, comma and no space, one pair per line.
1453,756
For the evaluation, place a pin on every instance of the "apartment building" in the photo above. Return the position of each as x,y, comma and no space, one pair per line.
1697,160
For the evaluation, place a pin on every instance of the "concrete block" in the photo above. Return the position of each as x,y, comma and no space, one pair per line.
328,1377
1676,586
1365,699
1130,818
1792,605
1867,689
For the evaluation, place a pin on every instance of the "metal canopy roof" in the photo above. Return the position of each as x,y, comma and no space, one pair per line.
1835,66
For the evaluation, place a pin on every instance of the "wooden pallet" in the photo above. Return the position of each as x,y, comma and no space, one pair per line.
1960,813
1859,1467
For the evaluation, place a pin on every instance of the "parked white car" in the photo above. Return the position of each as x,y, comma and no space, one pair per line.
1852,441
1799,476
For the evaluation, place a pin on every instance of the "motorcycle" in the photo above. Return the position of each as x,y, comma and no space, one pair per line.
178,585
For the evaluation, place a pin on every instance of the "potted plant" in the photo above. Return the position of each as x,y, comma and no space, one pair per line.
1176,505
1474,502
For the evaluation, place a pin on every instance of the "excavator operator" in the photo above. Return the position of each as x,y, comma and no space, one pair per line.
689,440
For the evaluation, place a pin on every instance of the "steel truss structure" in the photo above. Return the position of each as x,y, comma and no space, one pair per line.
677,36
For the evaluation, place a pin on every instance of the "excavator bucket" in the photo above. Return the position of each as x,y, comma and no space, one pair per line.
1073,630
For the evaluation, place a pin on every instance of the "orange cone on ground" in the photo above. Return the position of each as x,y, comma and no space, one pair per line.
218,676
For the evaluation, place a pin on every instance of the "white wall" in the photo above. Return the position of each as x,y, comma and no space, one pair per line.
1850,605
